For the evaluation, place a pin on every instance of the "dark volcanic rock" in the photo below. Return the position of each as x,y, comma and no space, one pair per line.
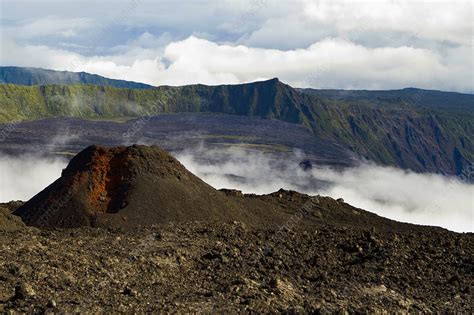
131,186
225,268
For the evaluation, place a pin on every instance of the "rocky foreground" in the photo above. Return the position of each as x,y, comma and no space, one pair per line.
205,267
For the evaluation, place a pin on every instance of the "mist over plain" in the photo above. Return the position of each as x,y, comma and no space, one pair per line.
428,199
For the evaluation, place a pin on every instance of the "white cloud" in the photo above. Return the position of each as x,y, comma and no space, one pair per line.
322,44
437,20
25,176
15,54
330,63
298,23
49,26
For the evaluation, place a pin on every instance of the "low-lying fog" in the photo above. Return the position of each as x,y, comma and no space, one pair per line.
24,176
404,196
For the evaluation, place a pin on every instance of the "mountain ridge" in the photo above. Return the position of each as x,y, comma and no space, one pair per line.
6,71
39,76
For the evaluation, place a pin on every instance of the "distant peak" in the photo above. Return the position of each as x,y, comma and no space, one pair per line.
271,82
266,81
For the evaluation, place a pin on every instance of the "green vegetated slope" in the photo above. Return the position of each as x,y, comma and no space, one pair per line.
263,99
396,133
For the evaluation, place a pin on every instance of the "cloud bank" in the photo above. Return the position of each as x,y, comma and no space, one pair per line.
25,176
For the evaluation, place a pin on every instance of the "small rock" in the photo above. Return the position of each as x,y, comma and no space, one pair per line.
323,276
16,270
240,225
52,304
103,197
180,259
275,282
212,255
24,291
340,200
158,236
129,291
454,279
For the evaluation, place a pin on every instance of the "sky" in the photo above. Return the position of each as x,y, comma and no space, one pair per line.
386,44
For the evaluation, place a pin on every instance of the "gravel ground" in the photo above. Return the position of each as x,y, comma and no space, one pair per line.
229,267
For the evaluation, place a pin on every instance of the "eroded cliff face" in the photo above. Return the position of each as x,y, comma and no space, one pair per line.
405,138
